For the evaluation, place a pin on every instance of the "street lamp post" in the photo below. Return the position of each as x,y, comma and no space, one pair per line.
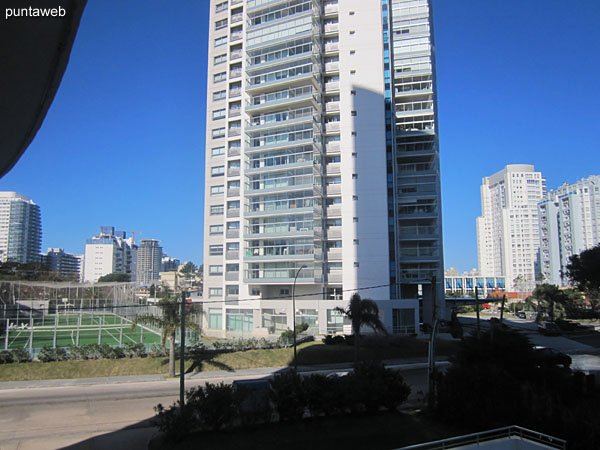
303,266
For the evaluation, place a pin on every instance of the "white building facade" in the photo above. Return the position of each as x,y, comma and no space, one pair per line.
109,252
507,230
569,224
322,173
20,228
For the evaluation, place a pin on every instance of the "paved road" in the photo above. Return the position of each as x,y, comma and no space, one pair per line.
69,413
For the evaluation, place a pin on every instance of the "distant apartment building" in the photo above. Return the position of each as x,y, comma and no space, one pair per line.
464,285
569,220
149,262
20,228
507,231
65,264
170,264
322,163
110,252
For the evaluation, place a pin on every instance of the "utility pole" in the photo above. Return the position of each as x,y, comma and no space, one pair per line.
502,308
477,309
182,352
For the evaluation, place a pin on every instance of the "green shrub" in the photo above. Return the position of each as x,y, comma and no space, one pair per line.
6,357
48,354
175,422
288,396
21,355
216,405
373,386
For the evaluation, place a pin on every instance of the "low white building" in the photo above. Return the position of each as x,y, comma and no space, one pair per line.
109,252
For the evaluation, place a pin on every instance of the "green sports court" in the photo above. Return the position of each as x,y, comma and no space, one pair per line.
78,328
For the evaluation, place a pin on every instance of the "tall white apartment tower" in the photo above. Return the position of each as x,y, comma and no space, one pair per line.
569,224
109,252
508,231
20,228
322,174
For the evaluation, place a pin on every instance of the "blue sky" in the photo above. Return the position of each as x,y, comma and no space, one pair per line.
123,143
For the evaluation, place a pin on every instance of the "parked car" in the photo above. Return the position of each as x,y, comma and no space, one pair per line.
520,315
549,329
551,357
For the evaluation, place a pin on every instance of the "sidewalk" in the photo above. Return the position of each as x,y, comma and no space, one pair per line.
401,364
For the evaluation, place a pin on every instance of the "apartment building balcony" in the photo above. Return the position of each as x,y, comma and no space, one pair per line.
284,143
417,275
334,254
332,86
281,276
233,93
236,54
234,112
331,8
236,36
233,212
257,65
234,151
293,77
291,232
288,98
332,127
278,207
332,148
235,131
332,67
334,233
236,73
233,192
235,18
232,234
334,277
274,253
233,172
275,163
235,2
293,119
232,255
332,47
334,211
333,189
232,276
419,254
333,168
331,28
332,106
419,232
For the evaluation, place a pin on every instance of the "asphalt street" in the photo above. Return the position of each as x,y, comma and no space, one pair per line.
73,414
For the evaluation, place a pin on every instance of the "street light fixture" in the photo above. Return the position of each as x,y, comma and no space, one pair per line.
303,266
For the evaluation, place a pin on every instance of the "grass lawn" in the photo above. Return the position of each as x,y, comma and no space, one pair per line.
308,354
382,431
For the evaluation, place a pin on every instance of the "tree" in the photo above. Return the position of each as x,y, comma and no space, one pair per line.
169,322
548,297
189,268
362,313
116,276
584,271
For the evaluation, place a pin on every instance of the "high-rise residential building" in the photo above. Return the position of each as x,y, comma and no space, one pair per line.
20,228
508,231
322,166
569,224
109,252
149,262
65,264
170,264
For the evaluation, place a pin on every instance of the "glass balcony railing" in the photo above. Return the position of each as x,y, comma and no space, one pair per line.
281,97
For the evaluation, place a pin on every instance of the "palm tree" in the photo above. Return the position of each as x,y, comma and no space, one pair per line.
362,313
169,322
